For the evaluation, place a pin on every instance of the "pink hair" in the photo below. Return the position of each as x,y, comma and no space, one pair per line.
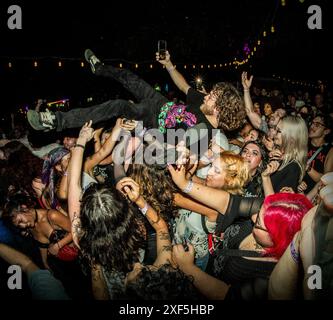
282,218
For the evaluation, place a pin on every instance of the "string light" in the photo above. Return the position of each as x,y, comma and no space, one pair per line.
136,66
35,64
264,33
59,64
120,65
185,66
151,66
272,29
259,42
283,3
82,64
9,64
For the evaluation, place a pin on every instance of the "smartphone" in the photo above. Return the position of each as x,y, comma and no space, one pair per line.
162,48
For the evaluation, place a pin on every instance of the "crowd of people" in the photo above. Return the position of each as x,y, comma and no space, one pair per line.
226,196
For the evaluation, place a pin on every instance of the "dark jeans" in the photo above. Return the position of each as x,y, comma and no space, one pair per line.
147,110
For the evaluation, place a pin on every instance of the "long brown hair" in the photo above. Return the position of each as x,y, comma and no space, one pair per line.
156,187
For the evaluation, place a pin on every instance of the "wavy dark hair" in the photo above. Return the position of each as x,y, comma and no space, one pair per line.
256,180
21,166
111,230
163,283
156,187
231,107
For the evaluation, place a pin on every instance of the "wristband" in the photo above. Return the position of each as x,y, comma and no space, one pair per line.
79,145
189,187
144,209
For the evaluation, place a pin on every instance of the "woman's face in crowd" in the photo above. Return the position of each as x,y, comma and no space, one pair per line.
24,218
63,165
69,142
251,154
252,136
216,174
267,109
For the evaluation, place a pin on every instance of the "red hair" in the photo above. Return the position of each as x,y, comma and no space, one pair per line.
282,218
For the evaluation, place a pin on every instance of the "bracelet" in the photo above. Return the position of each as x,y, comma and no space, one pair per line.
246,90
171,68
80,145
65,174
189,187
144,209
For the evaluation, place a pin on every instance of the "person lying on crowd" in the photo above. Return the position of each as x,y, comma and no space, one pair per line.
221,108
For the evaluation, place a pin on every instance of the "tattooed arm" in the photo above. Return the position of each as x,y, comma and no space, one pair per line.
74,178
163,240
99,286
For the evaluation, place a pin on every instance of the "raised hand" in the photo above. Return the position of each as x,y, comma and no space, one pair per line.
178,176
302,187
129,188
181,257
245,81
271,168
165,61
86,132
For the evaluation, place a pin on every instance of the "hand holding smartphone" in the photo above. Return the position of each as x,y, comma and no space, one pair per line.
162,48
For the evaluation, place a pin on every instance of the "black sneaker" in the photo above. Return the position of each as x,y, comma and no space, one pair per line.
44,121
92,59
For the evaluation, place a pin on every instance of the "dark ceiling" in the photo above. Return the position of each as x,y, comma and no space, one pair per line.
197,32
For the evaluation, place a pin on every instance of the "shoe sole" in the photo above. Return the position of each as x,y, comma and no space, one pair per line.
88,54
34,121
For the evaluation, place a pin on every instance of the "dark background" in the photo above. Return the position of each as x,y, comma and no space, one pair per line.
205,32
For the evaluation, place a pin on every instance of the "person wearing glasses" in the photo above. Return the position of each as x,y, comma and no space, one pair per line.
249,248
320,153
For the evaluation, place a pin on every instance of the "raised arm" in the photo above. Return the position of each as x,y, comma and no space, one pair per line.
74,178
210,287
253,116
189,204
213,198
108,146
163,240
175,75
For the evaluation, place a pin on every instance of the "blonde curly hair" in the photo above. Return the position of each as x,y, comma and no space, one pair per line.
237,172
